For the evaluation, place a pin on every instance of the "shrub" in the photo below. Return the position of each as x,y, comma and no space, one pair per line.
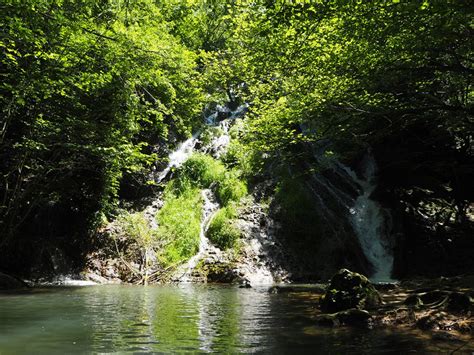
231,188
135,226
201,170
209,135
222,232
179,225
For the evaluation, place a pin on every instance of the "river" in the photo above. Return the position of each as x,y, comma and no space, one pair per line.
183,318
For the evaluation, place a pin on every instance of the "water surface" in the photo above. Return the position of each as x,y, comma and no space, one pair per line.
185,318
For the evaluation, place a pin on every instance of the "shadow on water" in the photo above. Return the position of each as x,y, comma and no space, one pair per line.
194,318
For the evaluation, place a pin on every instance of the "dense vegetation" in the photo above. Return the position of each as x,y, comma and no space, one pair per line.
93,94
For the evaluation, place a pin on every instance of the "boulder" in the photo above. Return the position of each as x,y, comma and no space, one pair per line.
349,290
8,282
351,317
218,272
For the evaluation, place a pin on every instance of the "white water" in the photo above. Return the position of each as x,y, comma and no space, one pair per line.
369,221
209,208
210,205
179,156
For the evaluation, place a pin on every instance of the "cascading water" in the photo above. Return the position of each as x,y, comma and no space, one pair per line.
178,157
210,206
371,222
216,147
341,189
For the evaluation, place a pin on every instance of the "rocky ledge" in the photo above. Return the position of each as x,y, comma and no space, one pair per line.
441,307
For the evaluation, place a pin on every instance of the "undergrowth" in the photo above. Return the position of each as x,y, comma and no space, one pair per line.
179,224
222,231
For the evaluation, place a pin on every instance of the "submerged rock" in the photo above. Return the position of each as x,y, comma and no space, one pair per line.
349,290
352,317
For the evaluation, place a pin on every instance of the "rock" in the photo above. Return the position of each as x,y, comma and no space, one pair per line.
459,302
245,284
96,278
349,290
328,320
219,272
8,282
288,288
351,317
354,317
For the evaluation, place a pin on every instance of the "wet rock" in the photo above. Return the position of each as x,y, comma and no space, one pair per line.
245,284
328,320
351,317
349,290
354,317
313,288
8,282
219,272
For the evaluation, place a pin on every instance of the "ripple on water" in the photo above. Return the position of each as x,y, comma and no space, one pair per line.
181,319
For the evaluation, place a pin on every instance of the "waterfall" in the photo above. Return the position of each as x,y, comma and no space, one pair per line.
339,188
179,156
216,148
209,208
371,222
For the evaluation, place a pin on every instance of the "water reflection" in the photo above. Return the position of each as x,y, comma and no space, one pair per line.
194,318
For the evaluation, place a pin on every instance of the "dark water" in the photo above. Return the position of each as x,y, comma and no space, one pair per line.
176,319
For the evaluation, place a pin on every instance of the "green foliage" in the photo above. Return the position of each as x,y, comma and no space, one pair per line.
231,188
179,225
135,227
202,171
342,70
86,88
221,231
209,134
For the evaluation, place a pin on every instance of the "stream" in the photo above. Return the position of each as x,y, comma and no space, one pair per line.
185,318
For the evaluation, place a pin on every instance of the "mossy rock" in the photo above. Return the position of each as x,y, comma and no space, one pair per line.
218,272
349,290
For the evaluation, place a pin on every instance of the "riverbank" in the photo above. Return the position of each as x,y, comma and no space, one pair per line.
439,309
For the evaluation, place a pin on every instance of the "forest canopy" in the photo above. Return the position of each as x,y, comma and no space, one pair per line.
94,93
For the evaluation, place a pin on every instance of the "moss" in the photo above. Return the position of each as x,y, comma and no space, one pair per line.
222,272
349,290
